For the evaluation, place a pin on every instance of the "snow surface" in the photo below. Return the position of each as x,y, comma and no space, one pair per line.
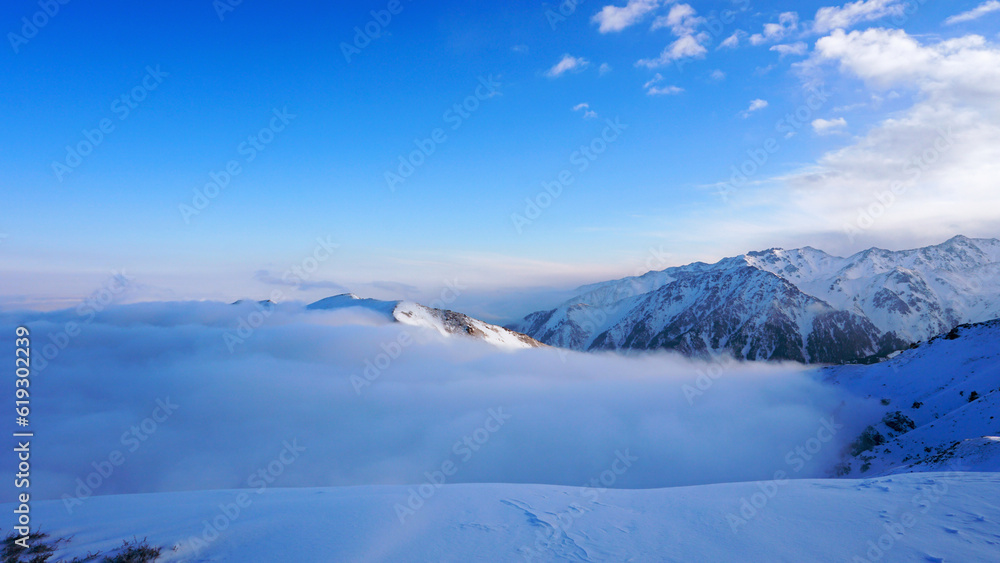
918,517
931,386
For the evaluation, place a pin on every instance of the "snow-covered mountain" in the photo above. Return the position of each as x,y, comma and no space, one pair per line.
443,321
915,293
802,305
940,406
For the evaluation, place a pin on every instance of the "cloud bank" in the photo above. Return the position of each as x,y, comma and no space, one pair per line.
372,404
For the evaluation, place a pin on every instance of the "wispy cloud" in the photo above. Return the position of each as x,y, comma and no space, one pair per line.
587,112
265,276
784,50
568,63
755,105
975,13
685,47
657,78
616,18
731,42
850,14
828,126
664,91
788,22
681,20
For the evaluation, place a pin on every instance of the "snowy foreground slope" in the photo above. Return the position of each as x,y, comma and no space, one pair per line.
940,403
917,517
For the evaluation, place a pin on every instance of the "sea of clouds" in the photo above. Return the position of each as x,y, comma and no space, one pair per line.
196,395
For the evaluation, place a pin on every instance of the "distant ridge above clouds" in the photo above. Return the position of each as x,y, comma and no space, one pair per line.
443,321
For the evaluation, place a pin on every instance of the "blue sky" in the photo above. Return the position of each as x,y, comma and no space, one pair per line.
656,186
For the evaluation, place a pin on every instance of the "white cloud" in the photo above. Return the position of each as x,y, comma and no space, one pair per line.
520,49
828,126
664,91
685,47
938,160
682,20
755,105
851,107
604,68
654,80
799,48
975,13
587,112
961,68
846,16
718,75
732,41
614,18
568,63
788,22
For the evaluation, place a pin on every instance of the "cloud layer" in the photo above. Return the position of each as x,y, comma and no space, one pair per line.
297,375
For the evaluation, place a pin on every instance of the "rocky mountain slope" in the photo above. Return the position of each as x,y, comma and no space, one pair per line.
803,305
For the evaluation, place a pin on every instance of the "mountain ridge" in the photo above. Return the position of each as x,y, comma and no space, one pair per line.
444,321
829,309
